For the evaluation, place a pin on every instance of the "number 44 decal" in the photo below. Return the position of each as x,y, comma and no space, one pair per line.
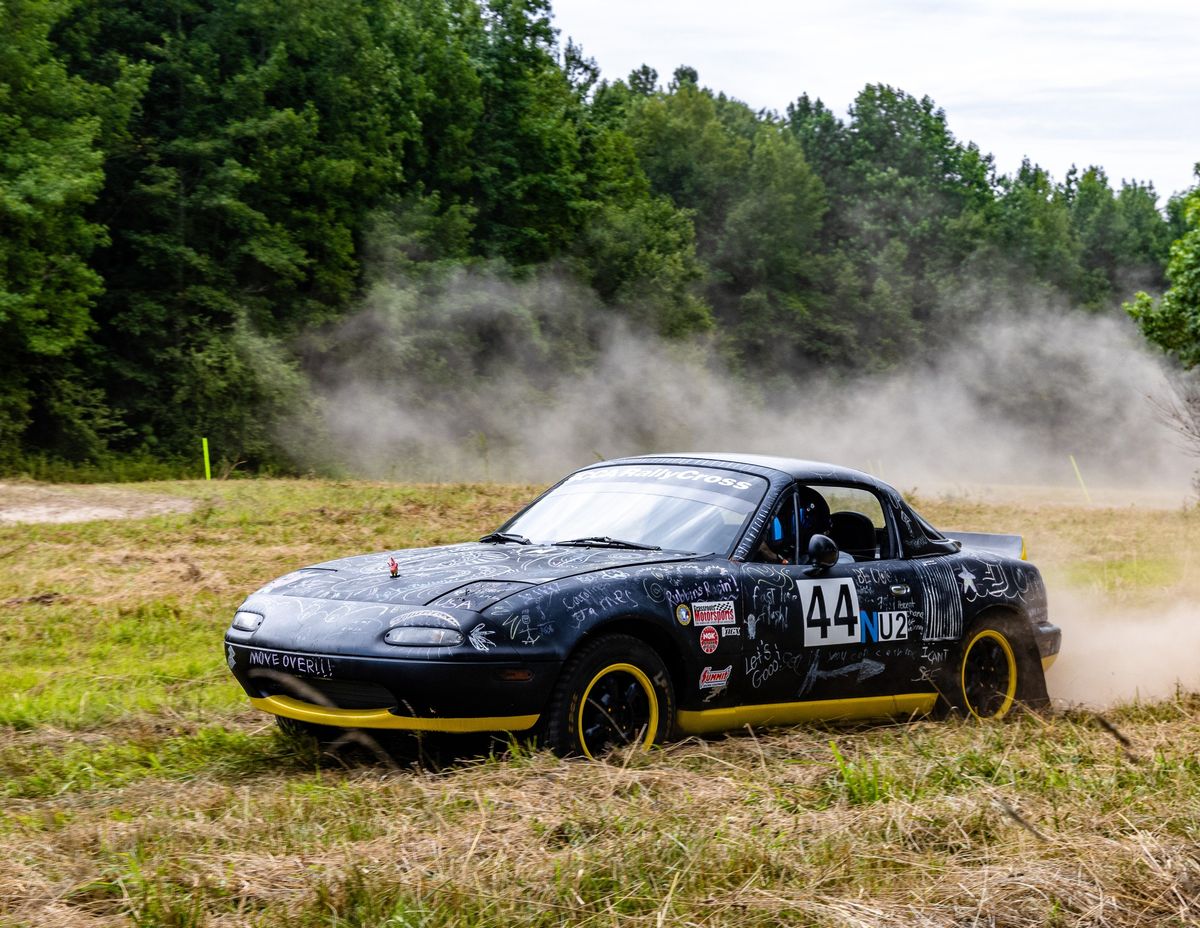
831,616
830,610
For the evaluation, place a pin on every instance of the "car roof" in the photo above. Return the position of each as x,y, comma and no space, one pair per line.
795,468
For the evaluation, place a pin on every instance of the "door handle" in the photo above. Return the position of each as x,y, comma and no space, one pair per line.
900,589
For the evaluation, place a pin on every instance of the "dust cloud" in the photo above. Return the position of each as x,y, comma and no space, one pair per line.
1112,656
480,377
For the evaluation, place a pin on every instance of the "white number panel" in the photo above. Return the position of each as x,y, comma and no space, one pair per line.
830,612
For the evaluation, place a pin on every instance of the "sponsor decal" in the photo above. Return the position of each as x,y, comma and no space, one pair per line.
231,657
688,475
884,626
710,678
683,615
709,639
830,612
720,613
731,631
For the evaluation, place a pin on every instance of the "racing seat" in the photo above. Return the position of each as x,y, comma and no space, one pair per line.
854,533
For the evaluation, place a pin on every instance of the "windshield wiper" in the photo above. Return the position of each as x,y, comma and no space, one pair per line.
502,537
603,541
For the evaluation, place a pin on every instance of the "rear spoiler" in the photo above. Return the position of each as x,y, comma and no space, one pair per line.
1007,545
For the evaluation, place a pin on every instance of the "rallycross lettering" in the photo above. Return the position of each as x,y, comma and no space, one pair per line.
662,473
830,611
296,663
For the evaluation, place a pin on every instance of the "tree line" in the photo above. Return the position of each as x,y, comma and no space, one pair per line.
196,194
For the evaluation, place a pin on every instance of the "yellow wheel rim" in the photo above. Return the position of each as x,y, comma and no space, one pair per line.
989,635
587,702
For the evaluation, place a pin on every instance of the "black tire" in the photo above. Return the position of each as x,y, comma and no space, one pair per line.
989,680
294,728
613,692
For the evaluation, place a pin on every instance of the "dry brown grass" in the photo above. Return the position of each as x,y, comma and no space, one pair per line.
165,801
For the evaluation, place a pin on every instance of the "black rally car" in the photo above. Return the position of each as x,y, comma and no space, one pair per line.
649,597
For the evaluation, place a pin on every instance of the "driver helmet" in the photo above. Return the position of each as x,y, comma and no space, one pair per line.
812,516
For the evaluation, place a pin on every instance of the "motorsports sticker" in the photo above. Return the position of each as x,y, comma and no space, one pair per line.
830,612
714,613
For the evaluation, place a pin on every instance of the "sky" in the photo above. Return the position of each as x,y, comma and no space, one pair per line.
1062,82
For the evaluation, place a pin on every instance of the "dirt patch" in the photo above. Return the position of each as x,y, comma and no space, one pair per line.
39,502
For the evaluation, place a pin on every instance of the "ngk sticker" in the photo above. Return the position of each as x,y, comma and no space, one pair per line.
709,639
710,679
714,613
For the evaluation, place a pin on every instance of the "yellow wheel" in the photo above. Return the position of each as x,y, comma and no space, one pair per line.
988,674
615,692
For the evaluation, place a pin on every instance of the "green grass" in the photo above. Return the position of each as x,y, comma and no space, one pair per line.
138,787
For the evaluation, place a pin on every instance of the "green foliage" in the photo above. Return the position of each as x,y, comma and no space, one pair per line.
50,170
199,196
1033,226
1173,321
861,782
526,181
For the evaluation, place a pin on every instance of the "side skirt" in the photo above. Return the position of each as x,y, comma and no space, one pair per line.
707,721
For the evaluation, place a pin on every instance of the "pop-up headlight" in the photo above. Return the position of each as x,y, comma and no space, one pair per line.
422,636
247,621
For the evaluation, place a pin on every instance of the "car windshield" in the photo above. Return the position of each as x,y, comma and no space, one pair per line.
702,509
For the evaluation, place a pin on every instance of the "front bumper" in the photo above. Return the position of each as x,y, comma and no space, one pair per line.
413,695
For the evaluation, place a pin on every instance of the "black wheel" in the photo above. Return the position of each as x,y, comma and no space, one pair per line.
614,692
988,673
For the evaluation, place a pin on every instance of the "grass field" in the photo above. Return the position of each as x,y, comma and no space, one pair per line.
138,787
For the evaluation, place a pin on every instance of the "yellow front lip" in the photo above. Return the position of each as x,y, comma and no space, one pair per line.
382,718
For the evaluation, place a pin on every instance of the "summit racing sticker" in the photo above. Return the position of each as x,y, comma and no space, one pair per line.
721,613
710,679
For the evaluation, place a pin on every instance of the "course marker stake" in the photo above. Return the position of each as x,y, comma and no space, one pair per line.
1082,485
207,469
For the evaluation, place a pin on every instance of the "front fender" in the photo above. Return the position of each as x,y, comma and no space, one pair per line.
547,622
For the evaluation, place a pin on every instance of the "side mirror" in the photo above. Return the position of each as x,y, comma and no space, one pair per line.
822,551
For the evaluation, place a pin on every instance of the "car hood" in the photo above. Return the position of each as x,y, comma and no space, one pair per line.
427,575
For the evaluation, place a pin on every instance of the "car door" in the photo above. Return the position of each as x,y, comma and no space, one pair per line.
849,631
